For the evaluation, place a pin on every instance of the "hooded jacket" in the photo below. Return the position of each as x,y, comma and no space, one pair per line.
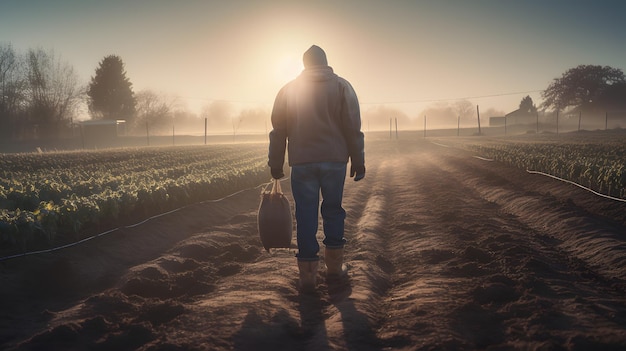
316,118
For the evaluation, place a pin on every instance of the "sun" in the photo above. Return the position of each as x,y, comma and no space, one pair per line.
288,67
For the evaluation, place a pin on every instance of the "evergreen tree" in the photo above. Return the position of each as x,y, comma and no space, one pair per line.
527,105
110,91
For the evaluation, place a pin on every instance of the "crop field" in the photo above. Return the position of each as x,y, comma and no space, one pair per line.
451,245
56,197
596,160
46,198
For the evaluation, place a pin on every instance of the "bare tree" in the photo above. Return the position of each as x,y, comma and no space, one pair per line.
156,110
219,115
464,109
11,91
254,120
378,117
440,115
53,92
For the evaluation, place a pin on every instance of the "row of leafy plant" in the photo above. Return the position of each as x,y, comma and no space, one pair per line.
598,163
55,197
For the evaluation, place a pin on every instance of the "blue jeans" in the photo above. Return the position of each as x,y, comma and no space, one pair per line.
306,183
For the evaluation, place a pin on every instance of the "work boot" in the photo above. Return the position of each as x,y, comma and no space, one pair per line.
335,268
308,275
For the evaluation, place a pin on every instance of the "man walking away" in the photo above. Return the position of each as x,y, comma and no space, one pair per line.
316,118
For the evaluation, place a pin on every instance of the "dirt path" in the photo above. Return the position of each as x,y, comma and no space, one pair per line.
446,252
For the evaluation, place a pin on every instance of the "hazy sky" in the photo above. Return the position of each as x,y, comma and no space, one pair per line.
402,54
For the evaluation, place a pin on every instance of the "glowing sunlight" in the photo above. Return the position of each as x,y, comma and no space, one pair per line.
288,67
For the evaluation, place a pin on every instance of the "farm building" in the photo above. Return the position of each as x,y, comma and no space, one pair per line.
496,121
516,117
520,117
102,133
103,129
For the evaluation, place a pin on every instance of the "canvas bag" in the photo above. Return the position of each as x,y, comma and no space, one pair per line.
274,218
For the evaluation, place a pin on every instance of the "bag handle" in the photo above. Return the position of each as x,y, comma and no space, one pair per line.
276,189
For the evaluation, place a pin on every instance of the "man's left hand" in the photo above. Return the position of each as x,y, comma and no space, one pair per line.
358,172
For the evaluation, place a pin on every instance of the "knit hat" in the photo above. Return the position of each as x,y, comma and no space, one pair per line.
314,56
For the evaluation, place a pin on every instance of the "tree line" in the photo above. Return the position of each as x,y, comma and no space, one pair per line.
38,93
41,95
586,90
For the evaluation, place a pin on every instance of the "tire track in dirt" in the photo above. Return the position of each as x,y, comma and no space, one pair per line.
358,303
436,258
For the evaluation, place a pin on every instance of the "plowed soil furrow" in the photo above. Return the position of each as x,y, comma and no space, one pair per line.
494,262
597,241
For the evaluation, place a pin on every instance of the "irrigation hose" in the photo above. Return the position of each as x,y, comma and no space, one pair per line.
578,185
551,176
563,180
30,253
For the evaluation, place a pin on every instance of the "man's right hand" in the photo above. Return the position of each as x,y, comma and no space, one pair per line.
277,173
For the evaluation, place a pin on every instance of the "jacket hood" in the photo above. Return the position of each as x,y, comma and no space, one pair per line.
314,56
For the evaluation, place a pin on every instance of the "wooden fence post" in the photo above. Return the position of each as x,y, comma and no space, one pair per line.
557,121
396,128
478,114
